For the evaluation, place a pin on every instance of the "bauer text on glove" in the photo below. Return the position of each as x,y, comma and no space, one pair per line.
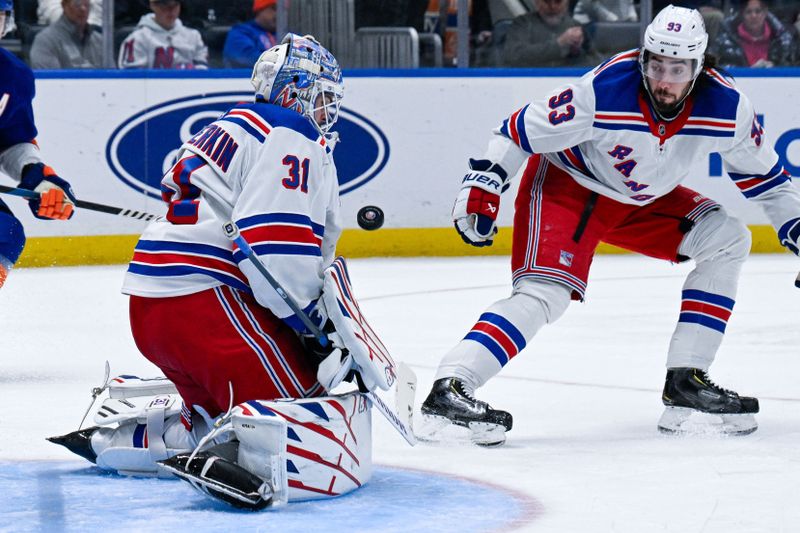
478,202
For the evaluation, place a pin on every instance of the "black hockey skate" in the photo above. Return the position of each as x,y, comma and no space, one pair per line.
78,442
689,390
221,479
451,404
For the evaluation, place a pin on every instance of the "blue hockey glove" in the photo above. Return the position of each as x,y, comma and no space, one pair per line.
56,200
478,202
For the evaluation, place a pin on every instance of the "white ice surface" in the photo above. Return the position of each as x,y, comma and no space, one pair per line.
585,394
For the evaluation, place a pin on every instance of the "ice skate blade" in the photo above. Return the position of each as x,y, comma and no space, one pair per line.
441,430
685,421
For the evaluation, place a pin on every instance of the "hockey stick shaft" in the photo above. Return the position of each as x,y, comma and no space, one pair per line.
83,204
394,419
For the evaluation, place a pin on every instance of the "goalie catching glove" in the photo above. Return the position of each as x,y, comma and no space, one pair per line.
478,202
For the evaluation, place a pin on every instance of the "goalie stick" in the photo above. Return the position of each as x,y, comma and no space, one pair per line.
91,206
406,382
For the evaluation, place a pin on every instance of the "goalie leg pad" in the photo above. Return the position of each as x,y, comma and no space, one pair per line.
307,448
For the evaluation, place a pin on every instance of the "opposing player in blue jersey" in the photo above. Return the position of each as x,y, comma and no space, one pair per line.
605,157
19,154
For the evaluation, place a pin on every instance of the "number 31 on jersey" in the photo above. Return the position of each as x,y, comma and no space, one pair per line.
298,173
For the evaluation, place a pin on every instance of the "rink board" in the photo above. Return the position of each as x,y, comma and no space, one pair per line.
406,136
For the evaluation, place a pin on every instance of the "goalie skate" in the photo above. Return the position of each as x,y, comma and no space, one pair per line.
78,442
451,415
221,479
697,405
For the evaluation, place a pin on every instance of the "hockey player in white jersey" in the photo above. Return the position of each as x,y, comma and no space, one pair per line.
210,321
604,159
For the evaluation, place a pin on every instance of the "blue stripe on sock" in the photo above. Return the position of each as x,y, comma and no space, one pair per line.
490,344
703,296
507,327
703,320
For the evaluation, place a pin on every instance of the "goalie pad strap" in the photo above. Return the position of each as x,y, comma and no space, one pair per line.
155,413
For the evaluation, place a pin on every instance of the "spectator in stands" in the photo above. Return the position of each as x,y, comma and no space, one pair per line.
49,11
70,41
162,41
480,28
754,37
587,11
245,42
548,37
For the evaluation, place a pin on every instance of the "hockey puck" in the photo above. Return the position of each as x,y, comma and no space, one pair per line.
370,217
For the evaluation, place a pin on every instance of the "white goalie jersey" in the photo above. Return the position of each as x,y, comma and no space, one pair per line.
273,174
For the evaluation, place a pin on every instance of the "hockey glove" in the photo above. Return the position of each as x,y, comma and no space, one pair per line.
478,202
789,235
334,362
56,200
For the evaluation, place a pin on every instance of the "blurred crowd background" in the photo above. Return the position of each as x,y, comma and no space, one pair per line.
199,34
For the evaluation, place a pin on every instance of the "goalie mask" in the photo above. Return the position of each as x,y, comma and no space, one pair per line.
300,74
6,17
